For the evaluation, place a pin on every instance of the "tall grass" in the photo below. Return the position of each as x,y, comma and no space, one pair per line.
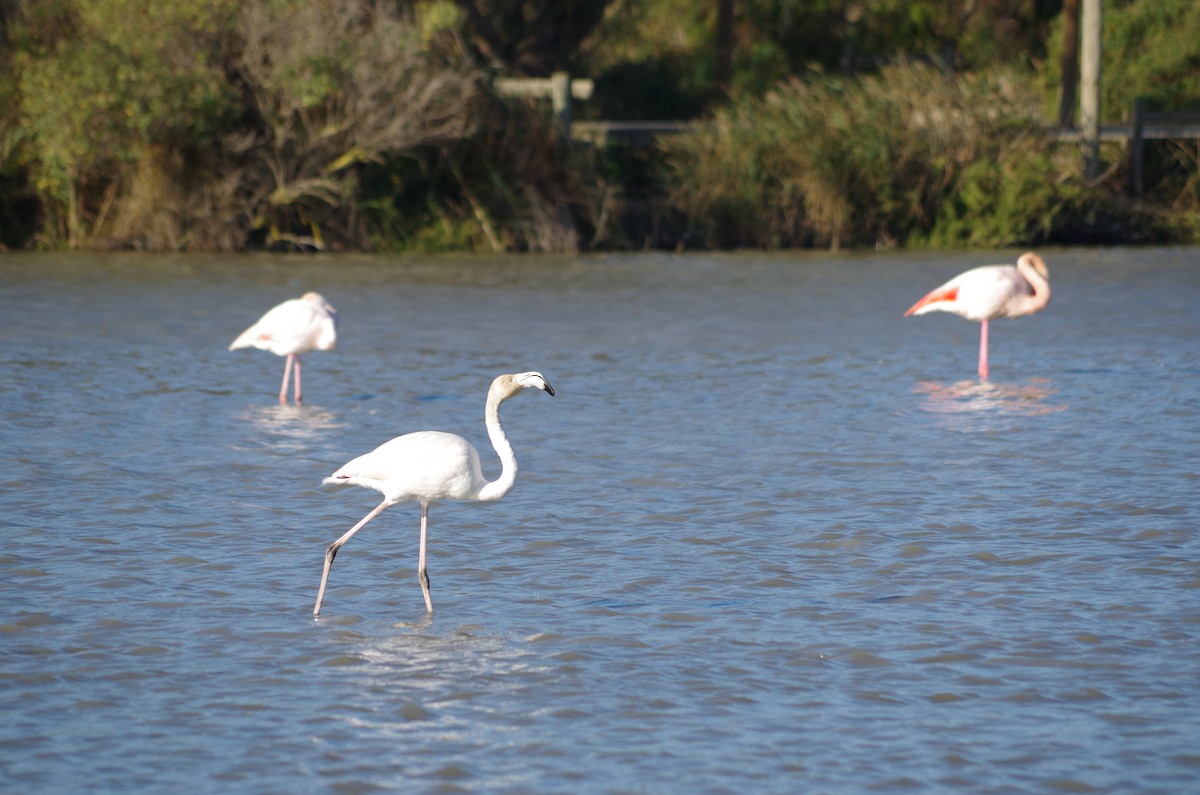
906,156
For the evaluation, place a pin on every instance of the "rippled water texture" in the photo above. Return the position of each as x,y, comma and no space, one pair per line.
770,536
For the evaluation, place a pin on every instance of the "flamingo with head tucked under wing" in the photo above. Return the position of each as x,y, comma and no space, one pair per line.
290,329
991,291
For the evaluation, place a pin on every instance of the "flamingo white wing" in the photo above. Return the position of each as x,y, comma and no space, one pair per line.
994,292
295,326
427,466
976,294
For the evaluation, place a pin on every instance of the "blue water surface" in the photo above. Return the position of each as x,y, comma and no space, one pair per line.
770,536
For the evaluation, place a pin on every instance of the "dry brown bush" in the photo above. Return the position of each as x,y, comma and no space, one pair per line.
329,86
326,86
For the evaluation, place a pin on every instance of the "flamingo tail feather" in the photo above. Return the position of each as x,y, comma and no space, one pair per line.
937,296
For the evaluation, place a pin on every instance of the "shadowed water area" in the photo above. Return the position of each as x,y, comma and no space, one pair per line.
770,536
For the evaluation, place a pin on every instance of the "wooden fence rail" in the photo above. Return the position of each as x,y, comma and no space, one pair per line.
559,88
1143,125
1156,125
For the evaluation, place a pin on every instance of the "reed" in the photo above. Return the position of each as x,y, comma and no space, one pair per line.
909,155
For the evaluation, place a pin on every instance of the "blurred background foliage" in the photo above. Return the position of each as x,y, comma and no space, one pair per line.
375,124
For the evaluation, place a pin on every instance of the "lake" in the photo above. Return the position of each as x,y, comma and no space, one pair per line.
770,536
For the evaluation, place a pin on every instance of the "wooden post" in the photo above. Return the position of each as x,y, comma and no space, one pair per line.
560,96
1089,105
1069,64
559,87
724,64
1137,121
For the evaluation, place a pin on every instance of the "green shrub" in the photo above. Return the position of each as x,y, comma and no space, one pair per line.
909,155
99,87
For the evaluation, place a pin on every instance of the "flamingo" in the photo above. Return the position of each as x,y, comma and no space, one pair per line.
290,329
989,292
432,466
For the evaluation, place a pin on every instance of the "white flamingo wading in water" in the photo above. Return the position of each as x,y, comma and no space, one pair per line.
989,292
432,466
290,329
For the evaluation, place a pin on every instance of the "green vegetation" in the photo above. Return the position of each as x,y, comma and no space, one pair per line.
908,155
374,124
826,161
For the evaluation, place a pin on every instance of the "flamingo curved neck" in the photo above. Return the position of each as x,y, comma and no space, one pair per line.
496,489
1028,266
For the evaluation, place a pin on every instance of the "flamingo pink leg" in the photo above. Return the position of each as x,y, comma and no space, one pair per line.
983,348
332,551
422,574
287,374
296,365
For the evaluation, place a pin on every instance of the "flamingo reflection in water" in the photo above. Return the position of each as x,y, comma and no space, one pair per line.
975,400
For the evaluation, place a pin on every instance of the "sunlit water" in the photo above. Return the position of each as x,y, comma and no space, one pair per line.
770,536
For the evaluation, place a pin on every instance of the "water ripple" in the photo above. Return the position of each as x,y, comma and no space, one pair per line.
760,543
